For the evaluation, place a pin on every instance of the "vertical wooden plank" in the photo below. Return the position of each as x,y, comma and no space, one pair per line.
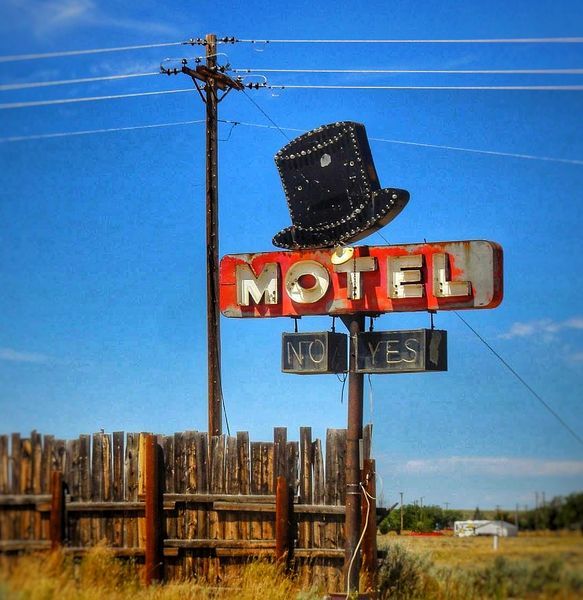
117,488
131,489
46,480
319,493
26,487
60,458
244,470
369,541
84,518
97,486
267,486
5,516
4,481
15,458
367,440
141,486
47,463
107,521
255,520
305,525
217,486
202,486
231,518
292,473
190,510
72,479
57,514
168,447
36,482
279,453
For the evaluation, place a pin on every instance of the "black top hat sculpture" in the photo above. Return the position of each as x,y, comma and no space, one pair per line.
332,189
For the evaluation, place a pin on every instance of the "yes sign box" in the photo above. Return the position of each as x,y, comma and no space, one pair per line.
411,351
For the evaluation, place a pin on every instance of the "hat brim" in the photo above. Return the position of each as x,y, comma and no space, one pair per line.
380,209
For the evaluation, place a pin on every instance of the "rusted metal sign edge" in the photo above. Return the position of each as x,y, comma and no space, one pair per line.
456,275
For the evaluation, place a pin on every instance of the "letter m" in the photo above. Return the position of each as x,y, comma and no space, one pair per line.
257,287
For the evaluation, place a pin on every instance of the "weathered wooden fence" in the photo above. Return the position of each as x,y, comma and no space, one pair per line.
218,499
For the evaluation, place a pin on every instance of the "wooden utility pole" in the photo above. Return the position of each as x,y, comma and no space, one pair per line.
214,80
215,417
401,528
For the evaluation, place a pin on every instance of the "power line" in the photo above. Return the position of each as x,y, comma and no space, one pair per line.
24,86
492,152
522,381
48,136
423,71
26,138
550,40
562,88
11,105
19,57
266,115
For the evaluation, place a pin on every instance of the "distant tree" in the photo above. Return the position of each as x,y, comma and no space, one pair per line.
478,514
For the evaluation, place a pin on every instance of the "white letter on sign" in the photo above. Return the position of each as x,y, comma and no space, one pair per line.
354,267
265,284
403,274
296,291
442,288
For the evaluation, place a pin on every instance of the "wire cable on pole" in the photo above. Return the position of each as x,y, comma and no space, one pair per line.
522,381
542,88
25,138
266,115
12,105
544,40
422,71
48,136
37,84
42,55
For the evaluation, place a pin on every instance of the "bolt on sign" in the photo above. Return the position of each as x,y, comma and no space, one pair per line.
374,280
314,353
402,351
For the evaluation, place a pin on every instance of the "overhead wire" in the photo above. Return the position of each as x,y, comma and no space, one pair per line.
421,71
63,53
13,105
562,88
37,84
533,40
24,138
48,136
533,392
266,115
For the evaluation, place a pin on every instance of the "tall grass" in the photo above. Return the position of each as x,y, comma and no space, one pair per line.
101,576
405,575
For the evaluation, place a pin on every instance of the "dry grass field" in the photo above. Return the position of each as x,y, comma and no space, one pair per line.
468,552
528,567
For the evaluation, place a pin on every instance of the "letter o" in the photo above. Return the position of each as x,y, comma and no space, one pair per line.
303,295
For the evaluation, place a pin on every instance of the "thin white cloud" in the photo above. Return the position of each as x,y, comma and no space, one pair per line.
55,16
545,327
497,466
11,355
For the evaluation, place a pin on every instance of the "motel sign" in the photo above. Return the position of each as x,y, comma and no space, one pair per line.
376,279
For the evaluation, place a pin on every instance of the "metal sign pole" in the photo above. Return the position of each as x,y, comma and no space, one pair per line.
354,324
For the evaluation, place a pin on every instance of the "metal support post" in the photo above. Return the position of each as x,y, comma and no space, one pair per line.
354,324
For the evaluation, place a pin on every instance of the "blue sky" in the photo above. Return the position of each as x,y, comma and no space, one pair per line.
102,302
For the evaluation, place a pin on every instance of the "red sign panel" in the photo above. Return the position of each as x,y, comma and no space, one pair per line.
364,279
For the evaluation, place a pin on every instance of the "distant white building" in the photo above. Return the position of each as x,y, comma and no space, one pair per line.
470,528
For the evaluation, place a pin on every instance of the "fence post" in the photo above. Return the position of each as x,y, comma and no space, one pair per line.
154,567
369,542
281,520
57,517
